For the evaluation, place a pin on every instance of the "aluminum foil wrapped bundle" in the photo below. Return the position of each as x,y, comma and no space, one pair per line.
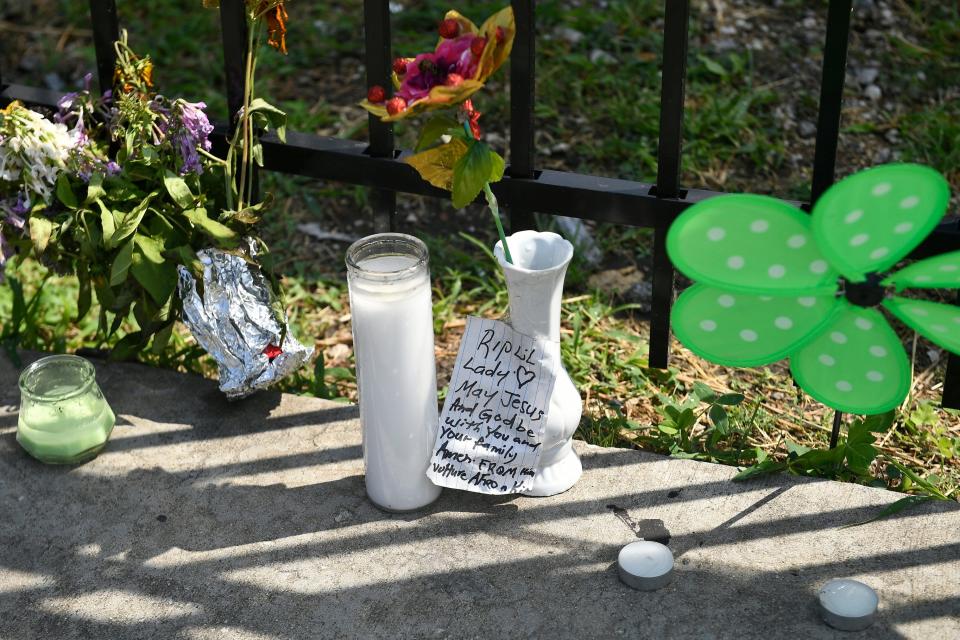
235,322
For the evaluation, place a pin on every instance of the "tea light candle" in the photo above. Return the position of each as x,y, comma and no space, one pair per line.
645,565
848,605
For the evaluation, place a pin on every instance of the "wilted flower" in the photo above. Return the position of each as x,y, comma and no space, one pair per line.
275,12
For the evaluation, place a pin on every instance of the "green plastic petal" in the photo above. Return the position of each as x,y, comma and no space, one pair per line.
855,364
750,244
872,219
738,329
938,323
942,271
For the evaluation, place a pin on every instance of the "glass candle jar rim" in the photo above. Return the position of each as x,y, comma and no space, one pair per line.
87,377
416,249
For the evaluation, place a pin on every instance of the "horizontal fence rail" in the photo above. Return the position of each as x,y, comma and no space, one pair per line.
524,188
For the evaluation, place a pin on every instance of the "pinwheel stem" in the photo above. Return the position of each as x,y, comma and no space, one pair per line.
835,434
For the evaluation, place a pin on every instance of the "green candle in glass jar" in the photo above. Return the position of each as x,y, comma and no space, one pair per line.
64,418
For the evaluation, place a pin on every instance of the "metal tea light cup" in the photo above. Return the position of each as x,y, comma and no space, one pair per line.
64,418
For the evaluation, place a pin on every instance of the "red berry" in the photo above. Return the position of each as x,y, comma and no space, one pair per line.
396,105
477,46
399,66
272,351
501,34
454,79
449,28
376,94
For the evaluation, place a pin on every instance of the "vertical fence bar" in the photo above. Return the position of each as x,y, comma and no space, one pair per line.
376,24
106,31
522,94
831,96
674,75
233,25
828,119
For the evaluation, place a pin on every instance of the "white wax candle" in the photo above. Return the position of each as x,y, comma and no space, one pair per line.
645,565
848,604
397,380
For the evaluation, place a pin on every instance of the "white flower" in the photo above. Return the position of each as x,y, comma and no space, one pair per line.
33,151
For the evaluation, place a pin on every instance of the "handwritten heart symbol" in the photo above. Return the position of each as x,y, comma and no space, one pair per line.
522,373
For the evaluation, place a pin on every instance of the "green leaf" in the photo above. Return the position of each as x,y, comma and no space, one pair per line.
249,215
178,189
879,423
730,399
266,114
319,386
433,129
107,222
85,297
156,275
65,192
161,338
95,188
129,221
496,173
718,416
212,228
796,450
128,346
687,419
121,264
670,431
40,232
712,66
470,173
703,392
891,509
763,468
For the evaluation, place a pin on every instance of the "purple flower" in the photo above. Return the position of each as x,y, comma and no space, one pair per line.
17,211
112,168
190,131
64,106
6,252
22,206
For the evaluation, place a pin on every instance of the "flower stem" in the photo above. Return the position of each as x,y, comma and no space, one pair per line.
211,157
495,210
245,124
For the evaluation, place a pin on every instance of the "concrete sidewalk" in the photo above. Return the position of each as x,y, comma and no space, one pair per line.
205,519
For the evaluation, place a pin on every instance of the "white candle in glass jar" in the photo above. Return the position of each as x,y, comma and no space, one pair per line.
392,316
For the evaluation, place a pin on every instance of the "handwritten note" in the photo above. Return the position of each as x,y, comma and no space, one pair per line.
492,423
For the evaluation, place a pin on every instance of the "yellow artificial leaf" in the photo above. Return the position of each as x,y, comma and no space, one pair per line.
378,110
436,165
496,52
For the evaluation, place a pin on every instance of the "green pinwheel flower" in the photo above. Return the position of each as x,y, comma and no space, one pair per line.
773,282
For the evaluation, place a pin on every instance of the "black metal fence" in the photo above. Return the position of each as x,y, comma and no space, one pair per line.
526,189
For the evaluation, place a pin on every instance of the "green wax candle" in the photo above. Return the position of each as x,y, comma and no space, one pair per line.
64,418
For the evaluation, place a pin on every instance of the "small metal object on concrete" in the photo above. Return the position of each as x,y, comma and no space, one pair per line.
848,605
645,565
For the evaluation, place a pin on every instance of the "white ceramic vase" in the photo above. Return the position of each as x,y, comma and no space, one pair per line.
535,287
